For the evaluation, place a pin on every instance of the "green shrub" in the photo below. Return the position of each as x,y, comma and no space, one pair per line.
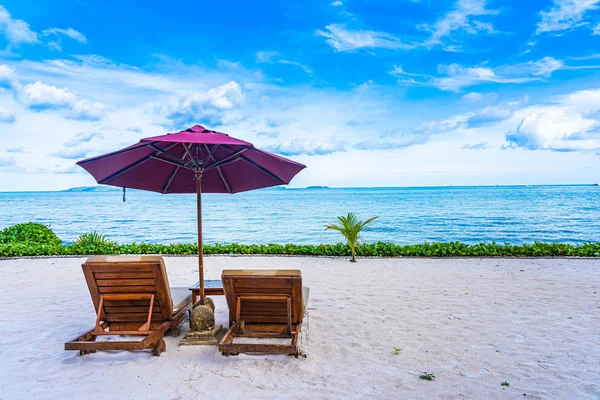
31,239
29,232
379,249
91,239
94,243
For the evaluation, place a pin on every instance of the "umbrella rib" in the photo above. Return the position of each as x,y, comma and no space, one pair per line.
127,168
114,153
263,169
211,152
227,159
189,154
162,151
168,161
175,170
225,181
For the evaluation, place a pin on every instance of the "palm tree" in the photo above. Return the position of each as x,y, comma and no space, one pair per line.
350,227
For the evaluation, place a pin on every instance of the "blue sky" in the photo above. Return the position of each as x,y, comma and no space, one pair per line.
366,93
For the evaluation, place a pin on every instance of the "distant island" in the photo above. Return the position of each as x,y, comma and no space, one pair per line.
93,189
317,187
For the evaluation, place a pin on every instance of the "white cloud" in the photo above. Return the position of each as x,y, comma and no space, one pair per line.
16,31
565,14
596,30
460,19
343,39
7,162
82,137
486,116
208,106
401,143
296,64
543,67
225,96
266,56
7,117
337,3
86,110
442,126
273,57
454,77
58,34
473,97
72,33
295,146
476,146
570,123
8,77
93,59
39,94
556,128
71,153
492,114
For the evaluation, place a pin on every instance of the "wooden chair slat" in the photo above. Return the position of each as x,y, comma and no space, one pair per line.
123,275
124,282
125,310
126,289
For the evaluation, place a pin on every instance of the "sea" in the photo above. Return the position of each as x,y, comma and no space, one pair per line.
407,215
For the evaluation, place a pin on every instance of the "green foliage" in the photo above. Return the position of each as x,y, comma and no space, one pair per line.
505,383
427,376
29,232
91,239
379,249
38,240
93,243
350,227
397,351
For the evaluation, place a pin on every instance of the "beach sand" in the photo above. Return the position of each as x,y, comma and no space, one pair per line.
474,323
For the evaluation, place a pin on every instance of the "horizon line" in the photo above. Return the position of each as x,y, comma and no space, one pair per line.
312,187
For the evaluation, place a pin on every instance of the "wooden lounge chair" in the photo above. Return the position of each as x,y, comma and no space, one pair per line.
263,304
131,296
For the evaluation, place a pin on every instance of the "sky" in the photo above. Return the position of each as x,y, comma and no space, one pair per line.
365,93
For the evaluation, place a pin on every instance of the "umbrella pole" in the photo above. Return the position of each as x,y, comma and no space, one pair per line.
200,249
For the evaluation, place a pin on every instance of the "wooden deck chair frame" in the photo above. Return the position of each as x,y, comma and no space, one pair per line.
262,304
131,296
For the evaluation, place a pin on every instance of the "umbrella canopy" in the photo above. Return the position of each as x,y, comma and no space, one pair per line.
170,163
194,160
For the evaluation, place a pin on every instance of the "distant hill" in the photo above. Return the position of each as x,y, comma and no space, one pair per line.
93,189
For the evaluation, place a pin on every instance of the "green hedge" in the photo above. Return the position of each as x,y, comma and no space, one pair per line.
31,239
29,232
379,249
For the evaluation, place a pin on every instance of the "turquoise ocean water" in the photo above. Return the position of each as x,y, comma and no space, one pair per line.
515,214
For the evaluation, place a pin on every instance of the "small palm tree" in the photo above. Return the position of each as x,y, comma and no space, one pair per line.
350,227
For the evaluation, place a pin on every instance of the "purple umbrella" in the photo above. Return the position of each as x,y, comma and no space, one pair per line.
195,160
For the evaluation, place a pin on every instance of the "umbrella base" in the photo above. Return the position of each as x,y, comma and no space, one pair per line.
208,337
203,330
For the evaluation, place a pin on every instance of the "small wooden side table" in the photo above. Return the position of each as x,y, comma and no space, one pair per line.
211,288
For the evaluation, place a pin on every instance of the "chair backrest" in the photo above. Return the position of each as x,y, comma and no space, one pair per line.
130,277
257,283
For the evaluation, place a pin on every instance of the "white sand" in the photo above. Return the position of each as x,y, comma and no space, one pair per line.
473,323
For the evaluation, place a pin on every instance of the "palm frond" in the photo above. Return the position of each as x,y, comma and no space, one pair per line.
350,227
